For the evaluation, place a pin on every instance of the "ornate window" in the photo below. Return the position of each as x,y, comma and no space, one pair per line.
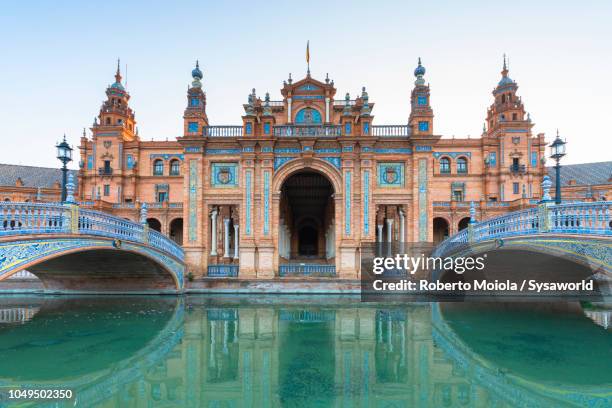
267,128
366,128
175,168
423,126
445,165
192,127
248,128
308,116
347,128
422,100
194,102
462,165
158,167
106,190
493,158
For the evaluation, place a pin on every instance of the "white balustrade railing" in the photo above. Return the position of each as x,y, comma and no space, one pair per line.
390,130
588,218
53,218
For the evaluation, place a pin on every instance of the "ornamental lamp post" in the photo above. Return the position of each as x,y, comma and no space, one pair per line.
64,154
557,151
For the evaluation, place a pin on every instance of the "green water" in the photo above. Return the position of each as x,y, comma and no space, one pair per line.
222,352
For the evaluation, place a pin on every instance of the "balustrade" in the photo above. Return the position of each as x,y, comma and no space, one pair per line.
54,218
390,130
222,270
592,218
222,131
307,269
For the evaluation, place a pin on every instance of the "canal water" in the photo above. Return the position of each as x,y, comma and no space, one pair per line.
225,352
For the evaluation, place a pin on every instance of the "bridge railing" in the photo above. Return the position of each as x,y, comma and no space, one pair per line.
31,218
54,218
592,218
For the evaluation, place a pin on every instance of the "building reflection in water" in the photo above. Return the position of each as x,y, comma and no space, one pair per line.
227,354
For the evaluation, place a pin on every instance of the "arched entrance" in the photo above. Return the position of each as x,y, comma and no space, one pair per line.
176,230
306,219
440,229
154,224
463,223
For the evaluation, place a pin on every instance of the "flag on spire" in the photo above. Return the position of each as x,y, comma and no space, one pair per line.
308,55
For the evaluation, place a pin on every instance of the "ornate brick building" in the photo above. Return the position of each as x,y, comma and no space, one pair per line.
303,182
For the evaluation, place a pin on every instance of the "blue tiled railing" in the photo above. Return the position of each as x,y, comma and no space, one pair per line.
307,270
223,270
54,218
592,218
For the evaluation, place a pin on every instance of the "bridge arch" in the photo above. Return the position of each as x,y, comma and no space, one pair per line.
566,234
75,250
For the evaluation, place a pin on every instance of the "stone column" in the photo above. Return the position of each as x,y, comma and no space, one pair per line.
402,226
236,241
213,240
226,238
379,229
289,100
389,230
327,109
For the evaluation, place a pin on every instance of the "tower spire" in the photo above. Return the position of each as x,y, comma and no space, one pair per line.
505,67
118,73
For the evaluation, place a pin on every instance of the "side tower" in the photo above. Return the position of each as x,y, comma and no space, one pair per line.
102,158
421,114
194,118
513,157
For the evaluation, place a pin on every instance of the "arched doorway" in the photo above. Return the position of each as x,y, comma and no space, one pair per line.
306,224
463,223
440,229
154,224
176,230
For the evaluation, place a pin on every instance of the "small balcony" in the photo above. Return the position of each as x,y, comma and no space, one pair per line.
517,169
105,171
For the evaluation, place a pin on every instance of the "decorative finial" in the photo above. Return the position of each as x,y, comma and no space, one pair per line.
290,80
143,213
472,212
197,75
267,109
84,133
347,101
327,78
484,128
419,72
70,189
546,185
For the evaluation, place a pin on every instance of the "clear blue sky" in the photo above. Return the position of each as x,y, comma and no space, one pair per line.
58,58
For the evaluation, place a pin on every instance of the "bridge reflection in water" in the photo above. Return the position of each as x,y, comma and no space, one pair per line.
307,352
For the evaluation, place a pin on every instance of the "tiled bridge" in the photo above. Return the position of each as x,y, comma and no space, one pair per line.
68,248
576,232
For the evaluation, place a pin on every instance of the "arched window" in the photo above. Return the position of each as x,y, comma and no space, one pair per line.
158,168
462,165
308,116
175,168
445,165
